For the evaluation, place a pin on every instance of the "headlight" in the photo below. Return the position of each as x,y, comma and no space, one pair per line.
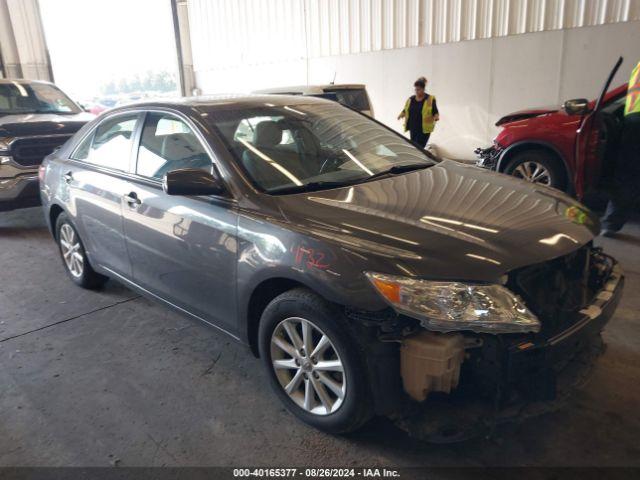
5,143
447,306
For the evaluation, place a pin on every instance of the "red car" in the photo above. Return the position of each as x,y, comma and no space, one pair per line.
571,148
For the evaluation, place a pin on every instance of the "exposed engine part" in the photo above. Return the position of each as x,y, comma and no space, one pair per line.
430,362
554,290
390,326
488,157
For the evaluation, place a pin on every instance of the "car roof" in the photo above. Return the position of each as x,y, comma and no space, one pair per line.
302,89
222,102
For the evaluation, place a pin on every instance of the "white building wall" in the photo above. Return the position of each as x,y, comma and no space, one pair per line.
483,58
477,82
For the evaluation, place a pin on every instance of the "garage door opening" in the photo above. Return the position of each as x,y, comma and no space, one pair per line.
110,53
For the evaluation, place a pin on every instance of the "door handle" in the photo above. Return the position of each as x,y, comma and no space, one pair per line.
132,199
68,177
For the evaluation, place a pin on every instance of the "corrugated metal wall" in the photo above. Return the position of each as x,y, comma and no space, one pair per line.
226,33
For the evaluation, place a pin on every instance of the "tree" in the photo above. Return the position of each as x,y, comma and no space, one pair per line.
150,81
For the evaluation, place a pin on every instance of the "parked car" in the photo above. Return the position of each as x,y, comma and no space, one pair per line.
35,118
352,95
94,108
571,148
368,276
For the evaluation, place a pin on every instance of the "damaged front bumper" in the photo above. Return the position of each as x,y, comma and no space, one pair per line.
488,157
531,376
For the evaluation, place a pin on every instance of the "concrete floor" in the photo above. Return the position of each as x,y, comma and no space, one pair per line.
105,378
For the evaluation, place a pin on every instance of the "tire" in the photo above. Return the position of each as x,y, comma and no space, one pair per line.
290,310
537,162
79,269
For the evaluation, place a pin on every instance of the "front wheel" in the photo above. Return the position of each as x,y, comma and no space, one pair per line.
314,366
537,166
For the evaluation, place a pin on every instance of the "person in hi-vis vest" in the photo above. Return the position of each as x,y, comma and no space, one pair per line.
420,113
626,188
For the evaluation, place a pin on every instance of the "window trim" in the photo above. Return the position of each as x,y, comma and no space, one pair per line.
89,138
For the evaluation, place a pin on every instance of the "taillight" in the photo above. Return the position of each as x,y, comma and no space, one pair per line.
41,170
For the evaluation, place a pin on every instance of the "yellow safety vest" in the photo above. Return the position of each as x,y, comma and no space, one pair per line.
428,122
632,105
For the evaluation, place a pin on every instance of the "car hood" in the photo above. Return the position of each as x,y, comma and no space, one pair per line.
448,221
28,124
527,113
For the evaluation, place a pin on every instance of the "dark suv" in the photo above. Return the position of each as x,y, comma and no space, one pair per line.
35,119
368,276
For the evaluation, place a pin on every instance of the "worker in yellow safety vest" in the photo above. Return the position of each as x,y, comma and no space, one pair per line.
420,114
627,169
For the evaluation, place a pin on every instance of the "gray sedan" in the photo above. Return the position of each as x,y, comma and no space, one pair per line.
370,277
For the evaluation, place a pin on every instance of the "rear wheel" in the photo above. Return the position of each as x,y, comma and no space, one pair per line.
314,366
537,166
74,256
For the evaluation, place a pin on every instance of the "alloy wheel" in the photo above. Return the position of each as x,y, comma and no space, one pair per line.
533,172
70,247
307,366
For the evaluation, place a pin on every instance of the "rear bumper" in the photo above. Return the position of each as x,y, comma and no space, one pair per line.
535,379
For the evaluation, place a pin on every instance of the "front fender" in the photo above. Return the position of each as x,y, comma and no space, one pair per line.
530,144
270,250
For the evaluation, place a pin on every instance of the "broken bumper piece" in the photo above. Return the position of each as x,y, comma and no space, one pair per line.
532,378
488,157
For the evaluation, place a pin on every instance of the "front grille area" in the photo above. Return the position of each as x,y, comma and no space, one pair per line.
488,157
31,151
556,290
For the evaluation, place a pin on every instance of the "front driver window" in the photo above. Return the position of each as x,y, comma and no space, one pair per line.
167,144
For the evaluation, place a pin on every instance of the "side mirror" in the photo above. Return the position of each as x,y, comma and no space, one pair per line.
191,181
577,106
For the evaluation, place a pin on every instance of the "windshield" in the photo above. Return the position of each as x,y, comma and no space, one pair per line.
19,97
314,145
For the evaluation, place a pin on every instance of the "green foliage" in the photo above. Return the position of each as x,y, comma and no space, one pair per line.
149,82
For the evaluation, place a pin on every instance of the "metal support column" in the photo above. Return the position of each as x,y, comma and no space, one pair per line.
180,13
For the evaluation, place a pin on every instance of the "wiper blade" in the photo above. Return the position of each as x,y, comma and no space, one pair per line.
309,187
396,169
321,185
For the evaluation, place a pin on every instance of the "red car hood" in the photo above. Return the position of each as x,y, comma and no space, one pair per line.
527,113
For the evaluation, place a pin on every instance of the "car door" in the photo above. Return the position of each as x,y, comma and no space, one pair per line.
95,179
182,248
588,158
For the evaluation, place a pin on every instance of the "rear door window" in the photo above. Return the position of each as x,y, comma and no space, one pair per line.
110,144
82,151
